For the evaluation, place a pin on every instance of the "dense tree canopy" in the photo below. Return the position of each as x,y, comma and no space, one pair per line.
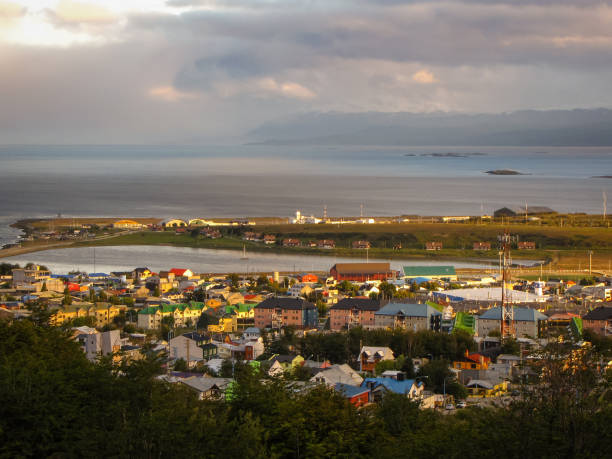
54,402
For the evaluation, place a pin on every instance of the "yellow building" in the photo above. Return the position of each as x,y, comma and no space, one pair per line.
128,224
182,314
103,313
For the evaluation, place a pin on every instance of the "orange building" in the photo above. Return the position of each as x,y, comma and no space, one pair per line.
472,362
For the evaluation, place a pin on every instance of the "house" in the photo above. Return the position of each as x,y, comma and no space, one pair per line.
472,362
207,387
127,224
433,245
291,243
526,245
192,347
336,374
177,272
361,245
527,322
598,320
483,388
24,276
300,289
150,318
140,274
408,316
101,343
484,246
353,312
357,395
396,383
277,312
369,356
430,272
269,239
308,278
361,272
326,244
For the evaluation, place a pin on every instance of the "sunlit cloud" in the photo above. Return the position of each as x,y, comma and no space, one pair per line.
424,77
170,94
286,89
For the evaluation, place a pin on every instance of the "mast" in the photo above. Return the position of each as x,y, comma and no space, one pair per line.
507,311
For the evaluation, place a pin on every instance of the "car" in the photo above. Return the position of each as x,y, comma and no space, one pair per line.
515,393
462,404
450,406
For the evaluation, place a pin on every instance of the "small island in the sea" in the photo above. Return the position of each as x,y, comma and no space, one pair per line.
602,176
504,172
449,154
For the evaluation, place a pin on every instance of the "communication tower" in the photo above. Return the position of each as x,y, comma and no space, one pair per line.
507,310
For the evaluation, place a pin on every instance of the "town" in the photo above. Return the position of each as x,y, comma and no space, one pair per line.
304,327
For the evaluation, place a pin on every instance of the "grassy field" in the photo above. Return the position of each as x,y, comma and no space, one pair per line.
564,247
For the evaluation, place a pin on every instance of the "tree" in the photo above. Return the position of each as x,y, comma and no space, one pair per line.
234,280
180,365
386,289
510,346
168,321
44,287
156,292
67,300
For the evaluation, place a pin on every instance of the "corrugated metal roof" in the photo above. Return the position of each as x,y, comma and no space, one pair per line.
410,310
362,268
522,314
428,271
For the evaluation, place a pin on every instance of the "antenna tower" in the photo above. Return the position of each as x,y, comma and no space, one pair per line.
507,311
605,204
325,212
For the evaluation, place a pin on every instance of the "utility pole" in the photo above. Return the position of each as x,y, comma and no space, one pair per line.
590,261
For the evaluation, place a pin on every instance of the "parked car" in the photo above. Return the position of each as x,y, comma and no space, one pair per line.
462,404
450,406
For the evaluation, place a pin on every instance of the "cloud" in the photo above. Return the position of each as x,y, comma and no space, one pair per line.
10,12
424,77
71,12
191,65
286,89
169,94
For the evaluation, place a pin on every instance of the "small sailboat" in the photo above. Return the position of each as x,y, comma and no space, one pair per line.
244,257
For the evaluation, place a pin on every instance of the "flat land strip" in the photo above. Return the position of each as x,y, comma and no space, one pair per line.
562,248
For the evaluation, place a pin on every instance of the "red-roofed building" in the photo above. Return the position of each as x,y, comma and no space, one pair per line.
181,272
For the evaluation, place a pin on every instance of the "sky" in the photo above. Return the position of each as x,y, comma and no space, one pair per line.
197,71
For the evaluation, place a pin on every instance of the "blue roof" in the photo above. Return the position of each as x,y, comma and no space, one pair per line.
98,275
350,391
419,280
410,310
398,387
425,271
522,314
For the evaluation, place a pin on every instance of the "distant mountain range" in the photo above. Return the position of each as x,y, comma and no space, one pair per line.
579,127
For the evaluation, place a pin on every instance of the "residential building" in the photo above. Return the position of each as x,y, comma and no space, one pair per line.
192,348
291,243
472,362
433,245
300,289
23,276
151,318
484,246
279,312
336,374
526,245
174,223
598,320
413,317
361,272
361,244
326,244
269,239
430,272
353,312
101,343
356,395
180,272
527,322
395,382
207,387
369,356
